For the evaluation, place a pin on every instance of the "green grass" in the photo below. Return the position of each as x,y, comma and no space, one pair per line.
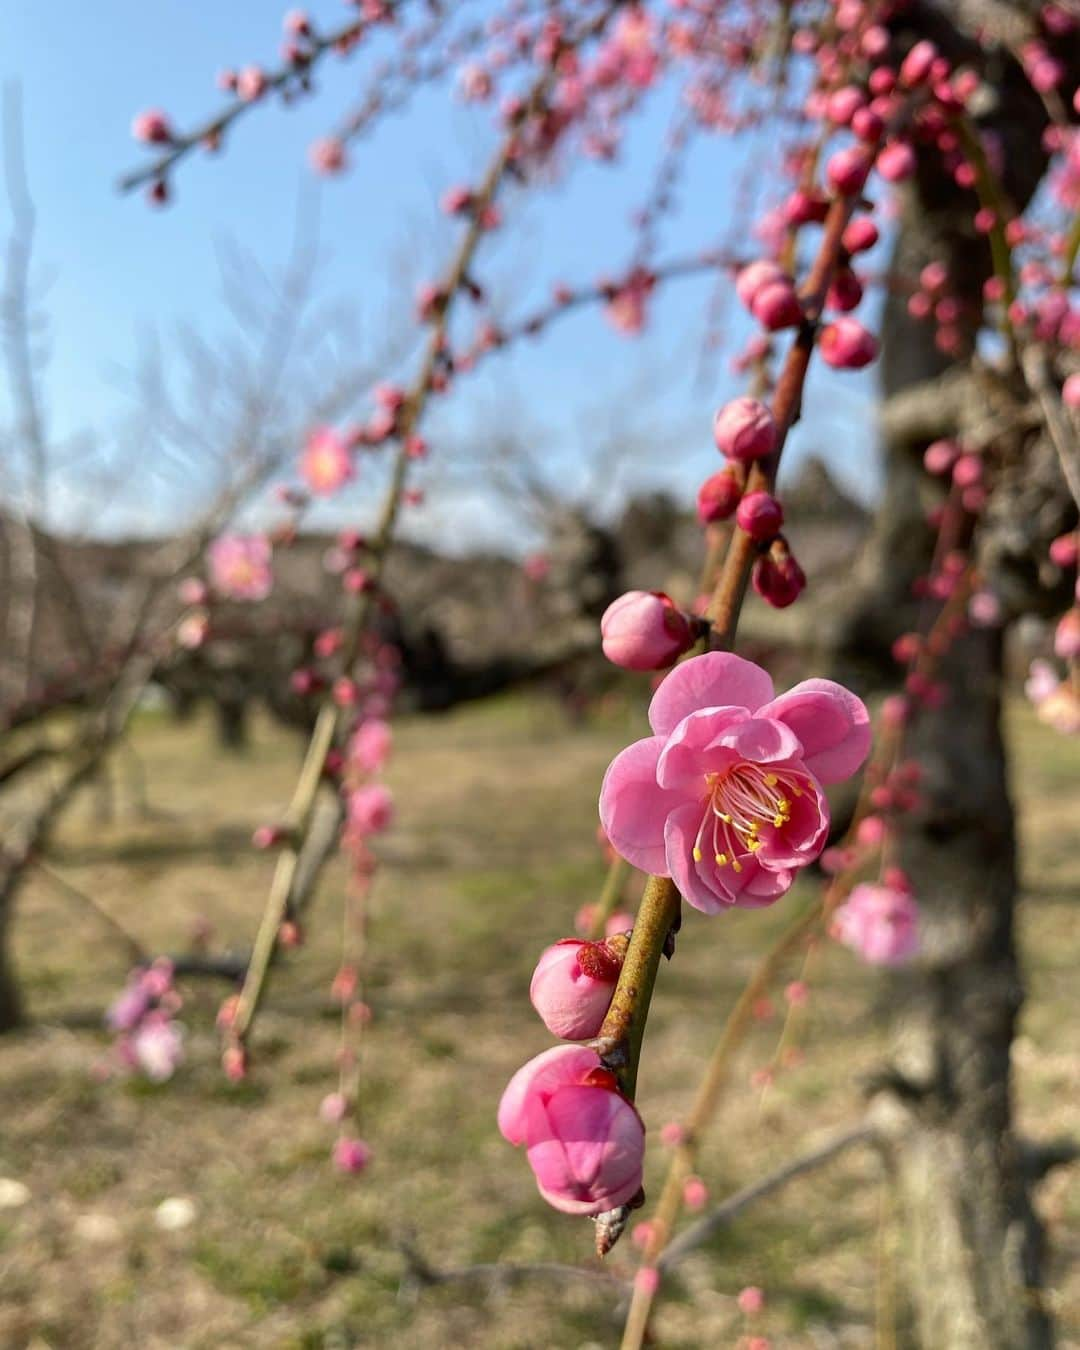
492,853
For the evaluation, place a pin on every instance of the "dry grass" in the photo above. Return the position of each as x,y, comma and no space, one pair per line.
492,853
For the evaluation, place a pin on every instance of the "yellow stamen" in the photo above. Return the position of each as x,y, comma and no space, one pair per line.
697,854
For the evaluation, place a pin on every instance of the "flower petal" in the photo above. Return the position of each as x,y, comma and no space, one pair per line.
692,748
832,724
695,884
707,885
555,1068
633,806
802,837
714,680
763,741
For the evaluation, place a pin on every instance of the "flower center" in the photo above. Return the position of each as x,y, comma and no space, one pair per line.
741,801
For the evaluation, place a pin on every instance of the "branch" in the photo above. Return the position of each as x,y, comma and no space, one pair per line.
331,718
730,1209
210,132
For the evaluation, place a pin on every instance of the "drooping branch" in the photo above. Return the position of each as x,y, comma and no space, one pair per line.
297,820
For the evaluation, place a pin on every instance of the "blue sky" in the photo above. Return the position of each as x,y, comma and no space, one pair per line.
116,268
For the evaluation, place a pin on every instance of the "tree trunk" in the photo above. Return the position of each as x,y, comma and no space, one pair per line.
972,1244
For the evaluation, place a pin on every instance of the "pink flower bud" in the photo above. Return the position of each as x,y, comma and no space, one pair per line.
967,471
940,456
848,170
844,103
1064,550
647,1280
1070,391
860,235
751,1300
894,711
327,155
744,430
369,745
370,809
643,630
193,591
870,831
572,986
718,497
753,277
776,306
760,515
805,208
351,1155
268,836
333,1108
152,127
777,577
251,83
896,162
1067,636
695,1193
797,993
918,63
234,1063
868,125
846,345
618,922
585,1142
672,1134
846,291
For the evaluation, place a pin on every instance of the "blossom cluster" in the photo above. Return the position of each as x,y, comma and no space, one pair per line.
149,1040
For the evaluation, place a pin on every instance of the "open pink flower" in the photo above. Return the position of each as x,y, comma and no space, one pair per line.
370,743
369,810
326,464
157,1046
881,923
240,566
726,798
585,1142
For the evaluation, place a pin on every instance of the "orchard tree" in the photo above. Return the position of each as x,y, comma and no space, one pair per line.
945,134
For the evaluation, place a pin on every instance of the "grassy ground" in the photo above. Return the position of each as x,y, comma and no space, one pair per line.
492,853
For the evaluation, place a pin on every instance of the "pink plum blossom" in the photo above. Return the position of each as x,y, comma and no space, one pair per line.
369,745
351,1155
157,1046
718,497
726,796
643,630
572,986
880,923
584,1141
846,345
744,430
327,155
370,809
326,464
760,515
240,566
152,127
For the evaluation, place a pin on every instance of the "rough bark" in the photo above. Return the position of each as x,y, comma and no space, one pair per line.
973,1245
